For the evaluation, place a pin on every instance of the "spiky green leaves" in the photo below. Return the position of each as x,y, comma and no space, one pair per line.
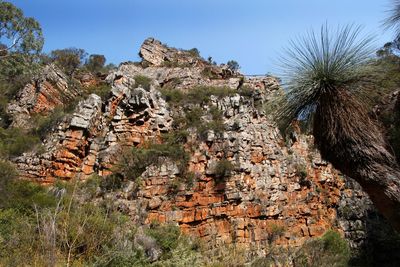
393,19
319,63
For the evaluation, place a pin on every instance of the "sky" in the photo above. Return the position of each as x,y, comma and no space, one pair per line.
252,32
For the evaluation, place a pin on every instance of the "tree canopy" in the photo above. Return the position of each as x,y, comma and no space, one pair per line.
69,59
18,33
95,62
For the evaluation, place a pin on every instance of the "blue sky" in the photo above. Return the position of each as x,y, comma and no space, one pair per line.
252,32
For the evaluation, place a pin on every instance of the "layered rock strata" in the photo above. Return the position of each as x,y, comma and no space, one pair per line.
276,192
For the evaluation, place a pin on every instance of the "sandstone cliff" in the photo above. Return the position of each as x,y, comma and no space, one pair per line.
276,191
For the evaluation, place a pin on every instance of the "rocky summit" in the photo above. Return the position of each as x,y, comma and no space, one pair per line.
244,184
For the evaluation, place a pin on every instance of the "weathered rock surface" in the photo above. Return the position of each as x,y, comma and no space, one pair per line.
272,186
156,53
48,90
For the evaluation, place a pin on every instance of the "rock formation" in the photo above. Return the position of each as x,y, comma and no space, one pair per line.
275,192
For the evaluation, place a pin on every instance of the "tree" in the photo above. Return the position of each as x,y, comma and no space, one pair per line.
18,33
95,62
233,65
69,59
322,73
21,41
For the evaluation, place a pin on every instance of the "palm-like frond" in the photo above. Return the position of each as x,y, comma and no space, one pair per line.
393,19
322,75
318,64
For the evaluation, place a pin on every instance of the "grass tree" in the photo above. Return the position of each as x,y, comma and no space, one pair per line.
393,19
322,73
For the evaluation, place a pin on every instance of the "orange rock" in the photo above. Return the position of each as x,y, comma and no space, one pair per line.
317,230
257,157
187,217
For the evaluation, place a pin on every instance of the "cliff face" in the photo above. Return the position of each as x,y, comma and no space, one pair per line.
274,192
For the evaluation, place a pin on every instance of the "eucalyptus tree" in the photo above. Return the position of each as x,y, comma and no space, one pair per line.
21,41
18,34
69,59
322,73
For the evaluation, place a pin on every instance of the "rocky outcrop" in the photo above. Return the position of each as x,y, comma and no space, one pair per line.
274,192
48,90
155,53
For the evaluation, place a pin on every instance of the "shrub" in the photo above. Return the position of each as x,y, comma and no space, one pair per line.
46,123
103,90
329,250
193,117
246,91
64,234
111,182
218,128
17,238
223,169
24,196
143,81
216,114
173,96
90,185
208,72
167,236
14,142
275,231
301,171
134,162
196,95
175,137
85,230
7,173
233,65
194,52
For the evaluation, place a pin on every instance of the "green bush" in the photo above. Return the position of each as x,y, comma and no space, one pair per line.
103,90
201,94
216,114
233,65
194,52
111,182
329,250
301,171
172,96
35,231
196,95
43,124
223,169
193,117
175,137
90,185
275,231
18,243
142,81
14,142
7,173
208,72
246,91
24,197
134,162
167,236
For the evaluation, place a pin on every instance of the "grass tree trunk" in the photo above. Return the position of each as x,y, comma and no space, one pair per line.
353,143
